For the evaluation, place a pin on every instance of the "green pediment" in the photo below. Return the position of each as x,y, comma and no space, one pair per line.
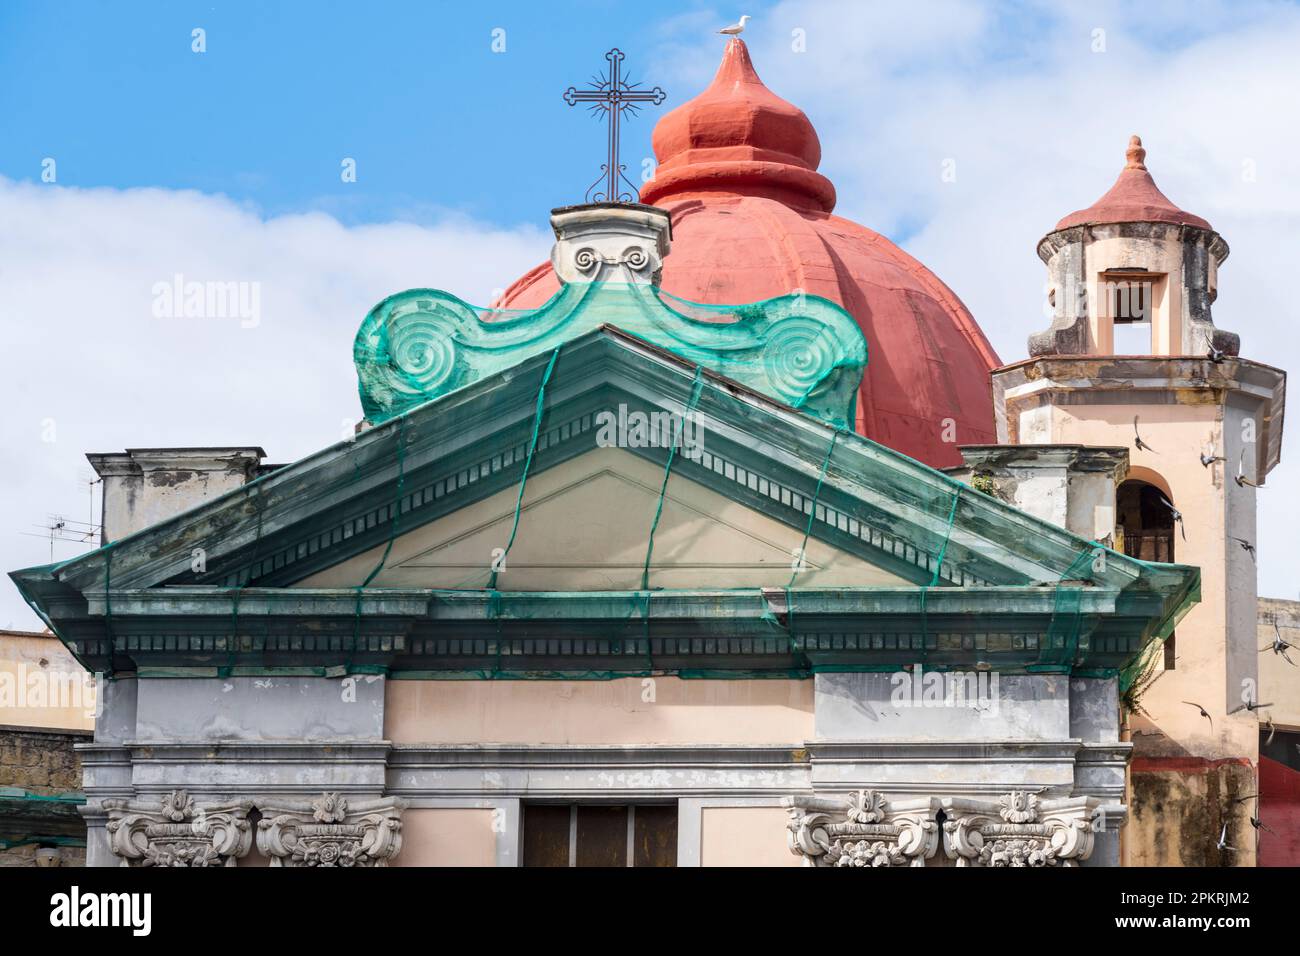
988,583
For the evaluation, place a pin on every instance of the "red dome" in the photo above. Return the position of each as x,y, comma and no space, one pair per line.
1133,198
752,220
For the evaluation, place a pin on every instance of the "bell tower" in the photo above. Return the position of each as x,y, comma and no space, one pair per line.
1132,357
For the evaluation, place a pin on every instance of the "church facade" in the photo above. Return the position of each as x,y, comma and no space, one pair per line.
726,538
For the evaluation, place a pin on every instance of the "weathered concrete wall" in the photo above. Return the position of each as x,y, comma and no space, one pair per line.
260,709
888,707
143,486
660,710
1069,485
1179,809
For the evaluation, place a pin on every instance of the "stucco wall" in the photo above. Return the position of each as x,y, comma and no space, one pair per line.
42,685
447,837
1279,681
744,836
660,710
1178,434
583,527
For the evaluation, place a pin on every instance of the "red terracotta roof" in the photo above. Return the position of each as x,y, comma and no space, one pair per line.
1133,198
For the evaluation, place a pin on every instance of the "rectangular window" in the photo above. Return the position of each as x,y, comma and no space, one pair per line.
1128,300
600,835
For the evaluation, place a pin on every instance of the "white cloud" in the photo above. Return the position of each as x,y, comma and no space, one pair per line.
86,357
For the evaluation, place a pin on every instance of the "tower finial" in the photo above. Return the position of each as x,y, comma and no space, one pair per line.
1135,154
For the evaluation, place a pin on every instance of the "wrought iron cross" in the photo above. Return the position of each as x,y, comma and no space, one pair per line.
613,96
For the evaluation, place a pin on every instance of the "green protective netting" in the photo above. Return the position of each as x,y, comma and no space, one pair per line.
421,344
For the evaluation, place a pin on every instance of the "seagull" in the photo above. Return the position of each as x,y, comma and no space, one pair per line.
1245,546
1174,513
1241,478
1203,711
1279,646
1207,459
1258,824
736,29
1137,439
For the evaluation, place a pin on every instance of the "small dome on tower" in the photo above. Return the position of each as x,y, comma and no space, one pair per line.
1133,198
1132,275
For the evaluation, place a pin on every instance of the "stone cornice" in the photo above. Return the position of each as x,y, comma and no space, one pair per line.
1156,380
1055,241
188,632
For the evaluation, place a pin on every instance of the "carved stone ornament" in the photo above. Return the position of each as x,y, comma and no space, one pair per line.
1019,829
176,832
331,831
610,243
862,829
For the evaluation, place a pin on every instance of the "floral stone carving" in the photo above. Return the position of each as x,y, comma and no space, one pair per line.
1019,829
331,831
862,829
176,832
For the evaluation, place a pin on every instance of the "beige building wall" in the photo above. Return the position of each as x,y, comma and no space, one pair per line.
459,836
1178,434
1279,681
584,526
42,685
745,836
631,710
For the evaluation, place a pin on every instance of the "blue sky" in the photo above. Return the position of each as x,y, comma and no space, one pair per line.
225,166
413,91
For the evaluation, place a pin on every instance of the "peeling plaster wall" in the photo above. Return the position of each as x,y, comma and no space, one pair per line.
1179,809
260,709
145,486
